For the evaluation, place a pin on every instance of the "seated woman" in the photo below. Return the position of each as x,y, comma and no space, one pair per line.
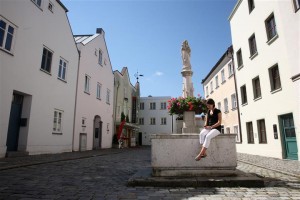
212,128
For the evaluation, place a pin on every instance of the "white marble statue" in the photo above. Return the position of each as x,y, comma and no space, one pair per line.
186,54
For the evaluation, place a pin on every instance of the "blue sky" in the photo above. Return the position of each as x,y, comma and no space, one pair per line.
146,36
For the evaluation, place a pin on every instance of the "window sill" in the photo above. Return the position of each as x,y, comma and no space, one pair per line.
107,103
62,80
6,51
244,104
277,90
56,133
256,99
87,92
226,112
254,55
234,108
250,142
223,82
211,92
38,5
240,67
46,72
217,87
263,143
296,77
98,98
270,41
231,75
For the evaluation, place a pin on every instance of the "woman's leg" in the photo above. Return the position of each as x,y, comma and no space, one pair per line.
213,133
202,135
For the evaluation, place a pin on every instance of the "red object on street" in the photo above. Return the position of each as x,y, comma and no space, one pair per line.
121,128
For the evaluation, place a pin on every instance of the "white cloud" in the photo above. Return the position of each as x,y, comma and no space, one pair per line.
158,73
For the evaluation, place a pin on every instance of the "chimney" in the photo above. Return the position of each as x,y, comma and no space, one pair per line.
100,31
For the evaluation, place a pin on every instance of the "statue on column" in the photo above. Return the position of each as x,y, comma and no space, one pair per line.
186,54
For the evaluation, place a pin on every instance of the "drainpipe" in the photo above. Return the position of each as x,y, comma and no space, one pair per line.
116,105
230,50
75,106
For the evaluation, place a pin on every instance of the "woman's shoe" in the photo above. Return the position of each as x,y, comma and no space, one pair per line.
203,156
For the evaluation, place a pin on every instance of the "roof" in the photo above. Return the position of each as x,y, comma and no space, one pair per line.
229,50
84,39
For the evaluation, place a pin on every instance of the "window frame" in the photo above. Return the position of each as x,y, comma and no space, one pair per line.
251,5
244,98
152,105
226,109
163,121
152,121
217,81
38,3
87,83
252,45
107,96
233,102
8,34
270,28
61,68
43,68
273,80
223,76
163,105
296,5
230,69
255,88
98,90
239,58
250,133
262,136
56,121
100,57
142,106
141,121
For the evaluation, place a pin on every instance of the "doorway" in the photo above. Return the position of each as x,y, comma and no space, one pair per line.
14,123
97,132
289,139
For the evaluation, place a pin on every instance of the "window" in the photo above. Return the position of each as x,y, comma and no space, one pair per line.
211,87
236,131
250,136
228,130
163,121
141,121
261,131
225,105
46,60
142,105
256,88
251,5
37,2
152,121
108,96
239,58
163,105
100,57
244,94
50,6
223,75
57,121
296,5
230,69
219,105
274,78
152,106
98,91
233,101
7,31
222,129
252,45
271,27
206,90
87,84
62,69
217,81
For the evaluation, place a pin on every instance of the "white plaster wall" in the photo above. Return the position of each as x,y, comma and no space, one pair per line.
21,72
147,129
88,106
270,106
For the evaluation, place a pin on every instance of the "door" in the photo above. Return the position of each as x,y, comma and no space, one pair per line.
14,123
289,136
97,132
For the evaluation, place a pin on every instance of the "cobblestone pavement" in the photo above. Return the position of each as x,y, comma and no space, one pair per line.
104,174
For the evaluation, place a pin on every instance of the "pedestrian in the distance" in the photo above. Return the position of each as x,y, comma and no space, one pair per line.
212,128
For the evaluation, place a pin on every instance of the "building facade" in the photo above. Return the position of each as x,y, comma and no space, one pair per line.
154,118
126,99
39,62
93,127
265,37
219,84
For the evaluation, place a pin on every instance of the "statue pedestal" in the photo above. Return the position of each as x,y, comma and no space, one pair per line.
189,123
174,155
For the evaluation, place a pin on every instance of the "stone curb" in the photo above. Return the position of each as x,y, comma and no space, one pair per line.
261,166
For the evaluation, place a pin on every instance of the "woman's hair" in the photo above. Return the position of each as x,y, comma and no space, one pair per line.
210,102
